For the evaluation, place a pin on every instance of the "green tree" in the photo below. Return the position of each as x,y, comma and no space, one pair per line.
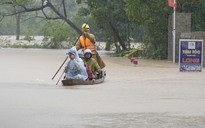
8,26
45,9
59,32
35,15
110,17
153,16
197,8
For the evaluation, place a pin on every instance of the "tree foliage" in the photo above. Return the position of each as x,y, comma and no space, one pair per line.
153,16
197,8
45,9
110,17
35,16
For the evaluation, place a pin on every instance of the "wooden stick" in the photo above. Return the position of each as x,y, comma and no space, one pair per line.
60,78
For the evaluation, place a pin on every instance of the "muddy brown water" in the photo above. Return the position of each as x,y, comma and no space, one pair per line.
152,94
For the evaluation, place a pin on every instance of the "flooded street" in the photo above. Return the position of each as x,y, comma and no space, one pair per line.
153,94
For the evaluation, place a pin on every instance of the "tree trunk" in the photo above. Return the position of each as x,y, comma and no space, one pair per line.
64,18
18,18
128,35
116,34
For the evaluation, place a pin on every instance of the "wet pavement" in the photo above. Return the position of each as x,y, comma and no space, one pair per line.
153,94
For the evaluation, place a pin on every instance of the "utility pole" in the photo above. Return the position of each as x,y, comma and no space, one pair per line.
174,30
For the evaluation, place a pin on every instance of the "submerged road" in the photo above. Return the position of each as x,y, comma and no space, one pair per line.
153,94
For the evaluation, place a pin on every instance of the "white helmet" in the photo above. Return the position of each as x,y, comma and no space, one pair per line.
87,51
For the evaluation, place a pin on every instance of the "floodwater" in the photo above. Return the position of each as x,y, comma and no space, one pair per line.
153,94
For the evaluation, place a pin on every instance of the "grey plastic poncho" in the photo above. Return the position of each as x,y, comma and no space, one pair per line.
76,68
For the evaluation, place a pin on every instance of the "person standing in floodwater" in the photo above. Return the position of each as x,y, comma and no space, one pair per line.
87,41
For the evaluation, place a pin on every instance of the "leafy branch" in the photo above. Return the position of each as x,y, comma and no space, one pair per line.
22,8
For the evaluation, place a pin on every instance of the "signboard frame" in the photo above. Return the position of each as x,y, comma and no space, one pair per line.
190,55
